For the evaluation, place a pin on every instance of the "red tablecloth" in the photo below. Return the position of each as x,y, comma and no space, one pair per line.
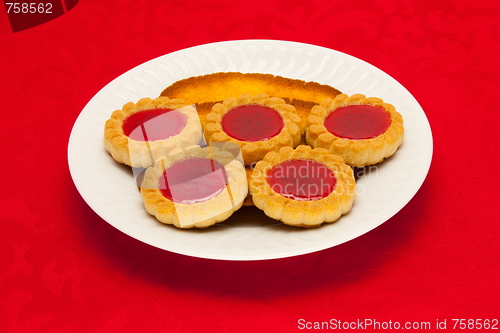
64,269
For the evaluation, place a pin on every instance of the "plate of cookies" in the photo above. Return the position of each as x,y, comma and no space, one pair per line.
250,150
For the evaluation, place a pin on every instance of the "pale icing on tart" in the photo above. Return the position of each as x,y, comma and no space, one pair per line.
141,132
194,188
304,187
362,130
258,124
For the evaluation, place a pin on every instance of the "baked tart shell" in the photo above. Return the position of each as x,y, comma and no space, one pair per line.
356,153
303,213
201,214
142,154
290,134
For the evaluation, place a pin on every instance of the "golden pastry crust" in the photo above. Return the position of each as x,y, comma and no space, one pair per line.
207,90
303,213
252,152
356,153
143,153
201,214
248,200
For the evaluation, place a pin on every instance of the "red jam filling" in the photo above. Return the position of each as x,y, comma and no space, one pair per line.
193,180
252,123
358,122
155,124
302,180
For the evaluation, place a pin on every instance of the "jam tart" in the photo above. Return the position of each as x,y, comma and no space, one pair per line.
258,124
141,132
194,188
362,130
304,187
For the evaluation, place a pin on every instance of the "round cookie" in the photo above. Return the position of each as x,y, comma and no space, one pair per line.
140,133
194,188
362,130
304,187
258,124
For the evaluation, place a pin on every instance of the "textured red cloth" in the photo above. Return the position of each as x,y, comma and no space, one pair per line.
64,269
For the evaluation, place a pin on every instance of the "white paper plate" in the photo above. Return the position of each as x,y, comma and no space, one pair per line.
109,188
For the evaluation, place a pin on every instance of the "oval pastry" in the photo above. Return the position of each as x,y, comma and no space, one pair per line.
304,187
258,124
195,188
140,133
362,130
207,90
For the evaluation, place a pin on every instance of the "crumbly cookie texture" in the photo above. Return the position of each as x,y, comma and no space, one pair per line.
252,152
143,153
356,153
303,213
200,214
207,90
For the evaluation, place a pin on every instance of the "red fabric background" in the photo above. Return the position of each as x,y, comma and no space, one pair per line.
64,269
